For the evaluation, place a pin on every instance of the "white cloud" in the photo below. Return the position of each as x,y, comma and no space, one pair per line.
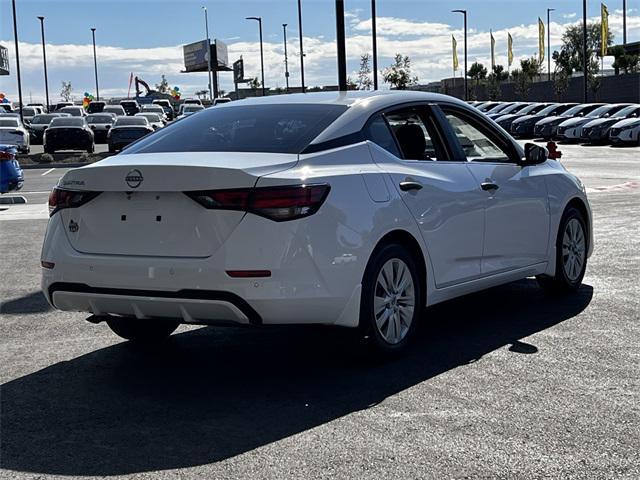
569,16
428,44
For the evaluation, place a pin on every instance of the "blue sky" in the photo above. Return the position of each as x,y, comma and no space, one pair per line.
144,36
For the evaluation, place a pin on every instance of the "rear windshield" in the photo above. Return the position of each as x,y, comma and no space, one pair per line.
192,108
8,122
100,119
126,121
152,117
67,122
42,119
251,128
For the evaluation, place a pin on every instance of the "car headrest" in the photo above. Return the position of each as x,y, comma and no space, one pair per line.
412,141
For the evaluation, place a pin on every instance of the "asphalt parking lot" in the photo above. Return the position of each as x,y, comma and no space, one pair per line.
508,383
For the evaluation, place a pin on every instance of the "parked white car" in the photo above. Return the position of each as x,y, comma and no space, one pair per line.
349,209
117,110
12,132
154,119
155,109
625,132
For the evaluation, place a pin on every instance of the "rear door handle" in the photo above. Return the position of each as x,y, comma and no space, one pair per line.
489,186
406,186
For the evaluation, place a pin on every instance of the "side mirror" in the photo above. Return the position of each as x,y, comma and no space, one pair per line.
534,154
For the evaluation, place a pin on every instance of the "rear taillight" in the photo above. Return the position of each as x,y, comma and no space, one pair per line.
7,156
59,198
275,203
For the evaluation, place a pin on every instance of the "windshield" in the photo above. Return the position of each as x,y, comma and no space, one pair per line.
535,108
285,128
625,112
67,122
8,122
29,111
575,110
192,108
42,119
100,119
598,112
152,117
548,110
75,111
128,121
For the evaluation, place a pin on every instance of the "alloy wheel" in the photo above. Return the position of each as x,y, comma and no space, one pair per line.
573,249
394,300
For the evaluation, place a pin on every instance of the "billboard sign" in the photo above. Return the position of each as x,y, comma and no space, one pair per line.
196,56
222,54
238,71
4,61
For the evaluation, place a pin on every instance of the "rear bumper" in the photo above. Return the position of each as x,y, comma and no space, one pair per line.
190,306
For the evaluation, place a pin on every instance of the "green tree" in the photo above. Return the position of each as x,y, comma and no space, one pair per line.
66,91
477,72
494,81
523,77
623,61
364,81
571,56
398,74
163,86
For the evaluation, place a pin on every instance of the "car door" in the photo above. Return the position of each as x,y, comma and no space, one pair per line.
442,195
516,215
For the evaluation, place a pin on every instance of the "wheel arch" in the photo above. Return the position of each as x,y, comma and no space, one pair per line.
406,239
580,205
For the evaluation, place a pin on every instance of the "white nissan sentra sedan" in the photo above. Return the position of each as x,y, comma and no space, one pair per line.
350,209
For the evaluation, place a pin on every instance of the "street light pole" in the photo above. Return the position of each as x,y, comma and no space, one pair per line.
209,73
286,59
44,61
584,47
624,22
375,44
15,36
549,10
95,61
466,91
259,20
340,42
301,48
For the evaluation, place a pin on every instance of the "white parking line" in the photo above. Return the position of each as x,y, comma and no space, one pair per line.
48,171
34,193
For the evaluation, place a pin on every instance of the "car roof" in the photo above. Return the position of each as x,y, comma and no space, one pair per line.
361,105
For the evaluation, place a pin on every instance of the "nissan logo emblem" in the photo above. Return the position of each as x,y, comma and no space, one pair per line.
134,178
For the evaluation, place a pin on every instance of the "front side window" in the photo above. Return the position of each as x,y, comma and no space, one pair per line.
477,146
416,140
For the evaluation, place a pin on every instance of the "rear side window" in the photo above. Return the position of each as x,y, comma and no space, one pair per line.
378,132
417,140
249,128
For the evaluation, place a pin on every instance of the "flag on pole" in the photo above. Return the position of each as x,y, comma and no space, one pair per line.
493,50
604,29
454,45
540,40
509,49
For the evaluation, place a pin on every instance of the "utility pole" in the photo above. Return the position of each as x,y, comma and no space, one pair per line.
259,20
584,48
95,62
286,59
44,61
549,10
301,47
15,36
375,44
340,42
212,95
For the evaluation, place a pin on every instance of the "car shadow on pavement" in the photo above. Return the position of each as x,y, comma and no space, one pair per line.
33,302
213,393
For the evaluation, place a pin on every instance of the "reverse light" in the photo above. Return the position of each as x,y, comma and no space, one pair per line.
60,198
275,203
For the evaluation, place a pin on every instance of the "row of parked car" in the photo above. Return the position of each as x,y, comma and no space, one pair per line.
593,123
72,127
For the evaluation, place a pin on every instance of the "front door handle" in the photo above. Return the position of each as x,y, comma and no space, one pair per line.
489,186
406,186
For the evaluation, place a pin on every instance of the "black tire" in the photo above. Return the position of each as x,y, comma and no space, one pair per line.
49,150
91,149
563,282
368,329
152,330
112,149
